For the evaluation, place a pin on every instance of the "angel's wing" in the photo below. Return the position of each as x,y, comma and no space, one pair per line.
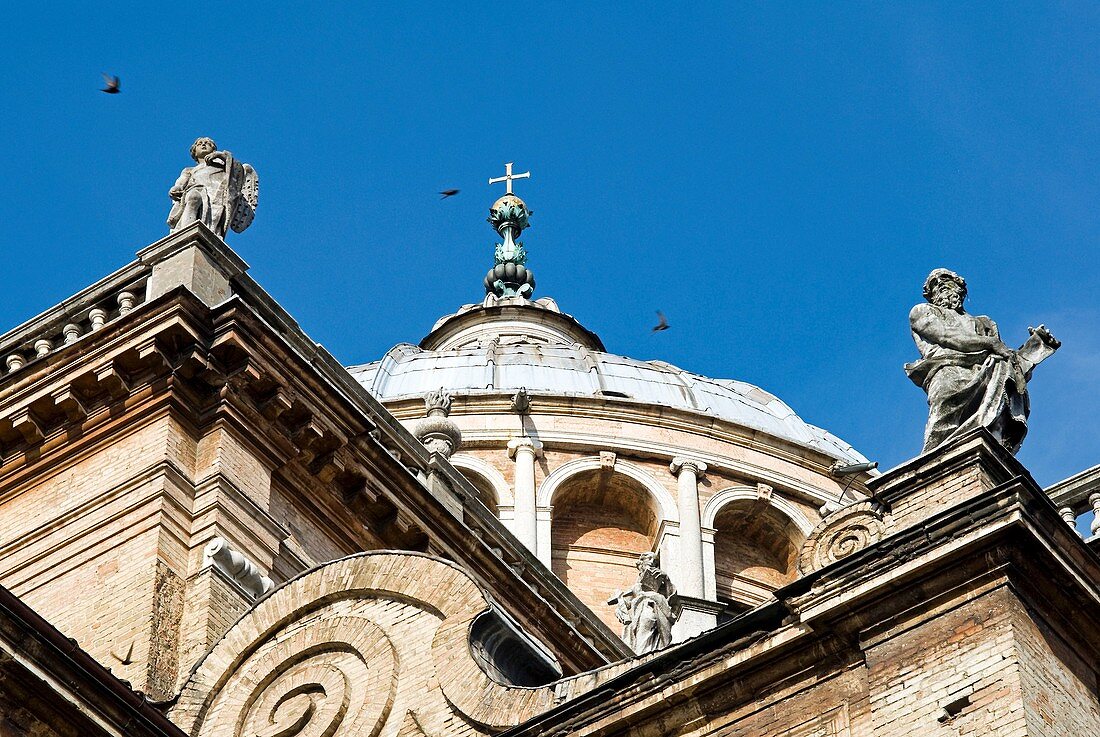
245,185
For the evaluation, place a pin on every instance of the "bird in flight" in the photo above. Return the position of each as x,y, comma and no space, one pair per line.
112,84
662,323
128,658
448,193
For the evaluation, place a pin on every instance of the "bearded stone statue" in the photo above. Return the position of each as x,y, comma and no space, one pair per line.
971,377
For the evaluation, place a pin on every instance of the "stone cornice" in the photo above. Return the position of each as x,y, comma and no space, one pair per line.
620,410
659,451
246,359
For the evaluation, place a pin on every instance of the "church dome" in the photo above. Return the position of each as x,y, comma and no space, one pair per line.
593,459
504,345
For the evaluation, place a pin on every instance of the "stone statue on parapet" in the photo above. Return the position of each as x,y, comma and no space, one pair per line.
971,377
648,609
218,191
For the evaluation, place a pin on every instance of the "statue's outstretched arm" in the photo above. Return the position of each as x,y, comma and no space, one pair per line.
928,325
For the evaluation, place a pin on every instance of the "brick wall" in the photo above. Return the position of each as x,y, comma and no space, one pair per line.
1060,689
955,674
595,551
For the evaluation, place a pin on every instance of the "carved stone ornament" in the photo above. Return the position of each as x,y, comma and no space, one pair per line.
439,435
438,402
847,531
350,649
648,609
436,431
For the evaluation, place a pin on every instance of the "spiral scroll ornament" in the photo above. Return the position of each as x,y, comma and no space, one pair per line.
332,676
330,652
843,533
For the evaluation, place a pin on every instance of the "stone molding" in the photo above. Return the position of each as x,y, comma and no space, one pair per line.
659,419
634,446
244,573
845,532
746,493
666,504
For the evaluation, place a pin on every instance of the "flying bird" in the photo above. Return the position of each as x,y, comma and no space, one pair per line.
449,193
129,658
662,323
112,84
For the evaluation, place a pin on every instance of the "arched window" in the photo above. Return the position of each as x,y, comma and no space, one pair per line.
492,489
485,492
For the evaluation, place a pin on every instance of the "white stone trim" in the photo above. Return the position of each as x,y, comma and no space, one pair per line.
736,493
666,505
485,470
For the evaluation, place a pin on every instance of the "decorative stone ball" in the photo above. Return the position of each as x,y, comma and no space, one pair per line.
508,200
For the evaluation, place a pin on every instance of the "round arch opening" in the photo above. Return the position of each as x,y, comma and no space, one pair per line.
756,550
486,494
601,522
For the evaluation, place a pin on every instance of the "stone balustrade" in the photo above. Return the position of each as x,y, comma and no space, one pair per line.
1080,495
68,322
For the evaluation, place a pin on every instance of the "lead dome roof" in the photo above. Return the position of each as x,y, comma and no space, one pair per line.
503,345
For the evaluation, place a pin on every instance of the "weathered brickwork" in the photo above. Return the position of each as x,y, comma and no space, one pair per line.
963,657
595,552
1061,695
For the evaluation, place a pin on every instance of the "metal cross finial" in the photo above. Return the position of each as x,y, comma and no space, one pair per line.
509,176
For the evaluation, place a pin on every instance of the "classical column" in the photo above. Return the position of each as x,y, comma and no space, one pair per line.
690,580
525,450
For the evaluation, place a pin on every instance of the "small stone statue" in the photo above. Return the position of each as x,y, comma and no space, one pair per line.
648,609
972,378
218,191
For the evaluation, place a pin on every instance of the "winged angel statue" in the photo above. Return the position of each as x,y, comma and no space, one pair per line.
219,191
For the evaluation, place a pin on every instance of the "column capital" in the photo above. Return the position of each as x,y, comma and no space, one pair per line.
524,443
680,463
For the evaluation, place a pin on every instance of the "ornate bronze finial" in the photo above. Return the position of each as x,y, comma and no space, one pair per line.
509,216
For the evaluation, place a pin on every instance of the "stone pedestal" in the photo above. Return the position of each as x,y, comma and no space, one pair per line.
698,616
193,257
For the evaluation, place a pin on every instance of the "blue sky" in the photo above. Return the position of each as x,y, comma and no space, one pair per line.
777,178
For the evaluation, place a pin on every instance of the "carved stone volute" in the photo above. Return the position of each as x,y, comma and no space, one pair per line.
846,531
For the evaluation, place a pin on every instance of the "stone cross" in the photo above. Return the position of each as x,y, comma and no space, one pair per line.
509,176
